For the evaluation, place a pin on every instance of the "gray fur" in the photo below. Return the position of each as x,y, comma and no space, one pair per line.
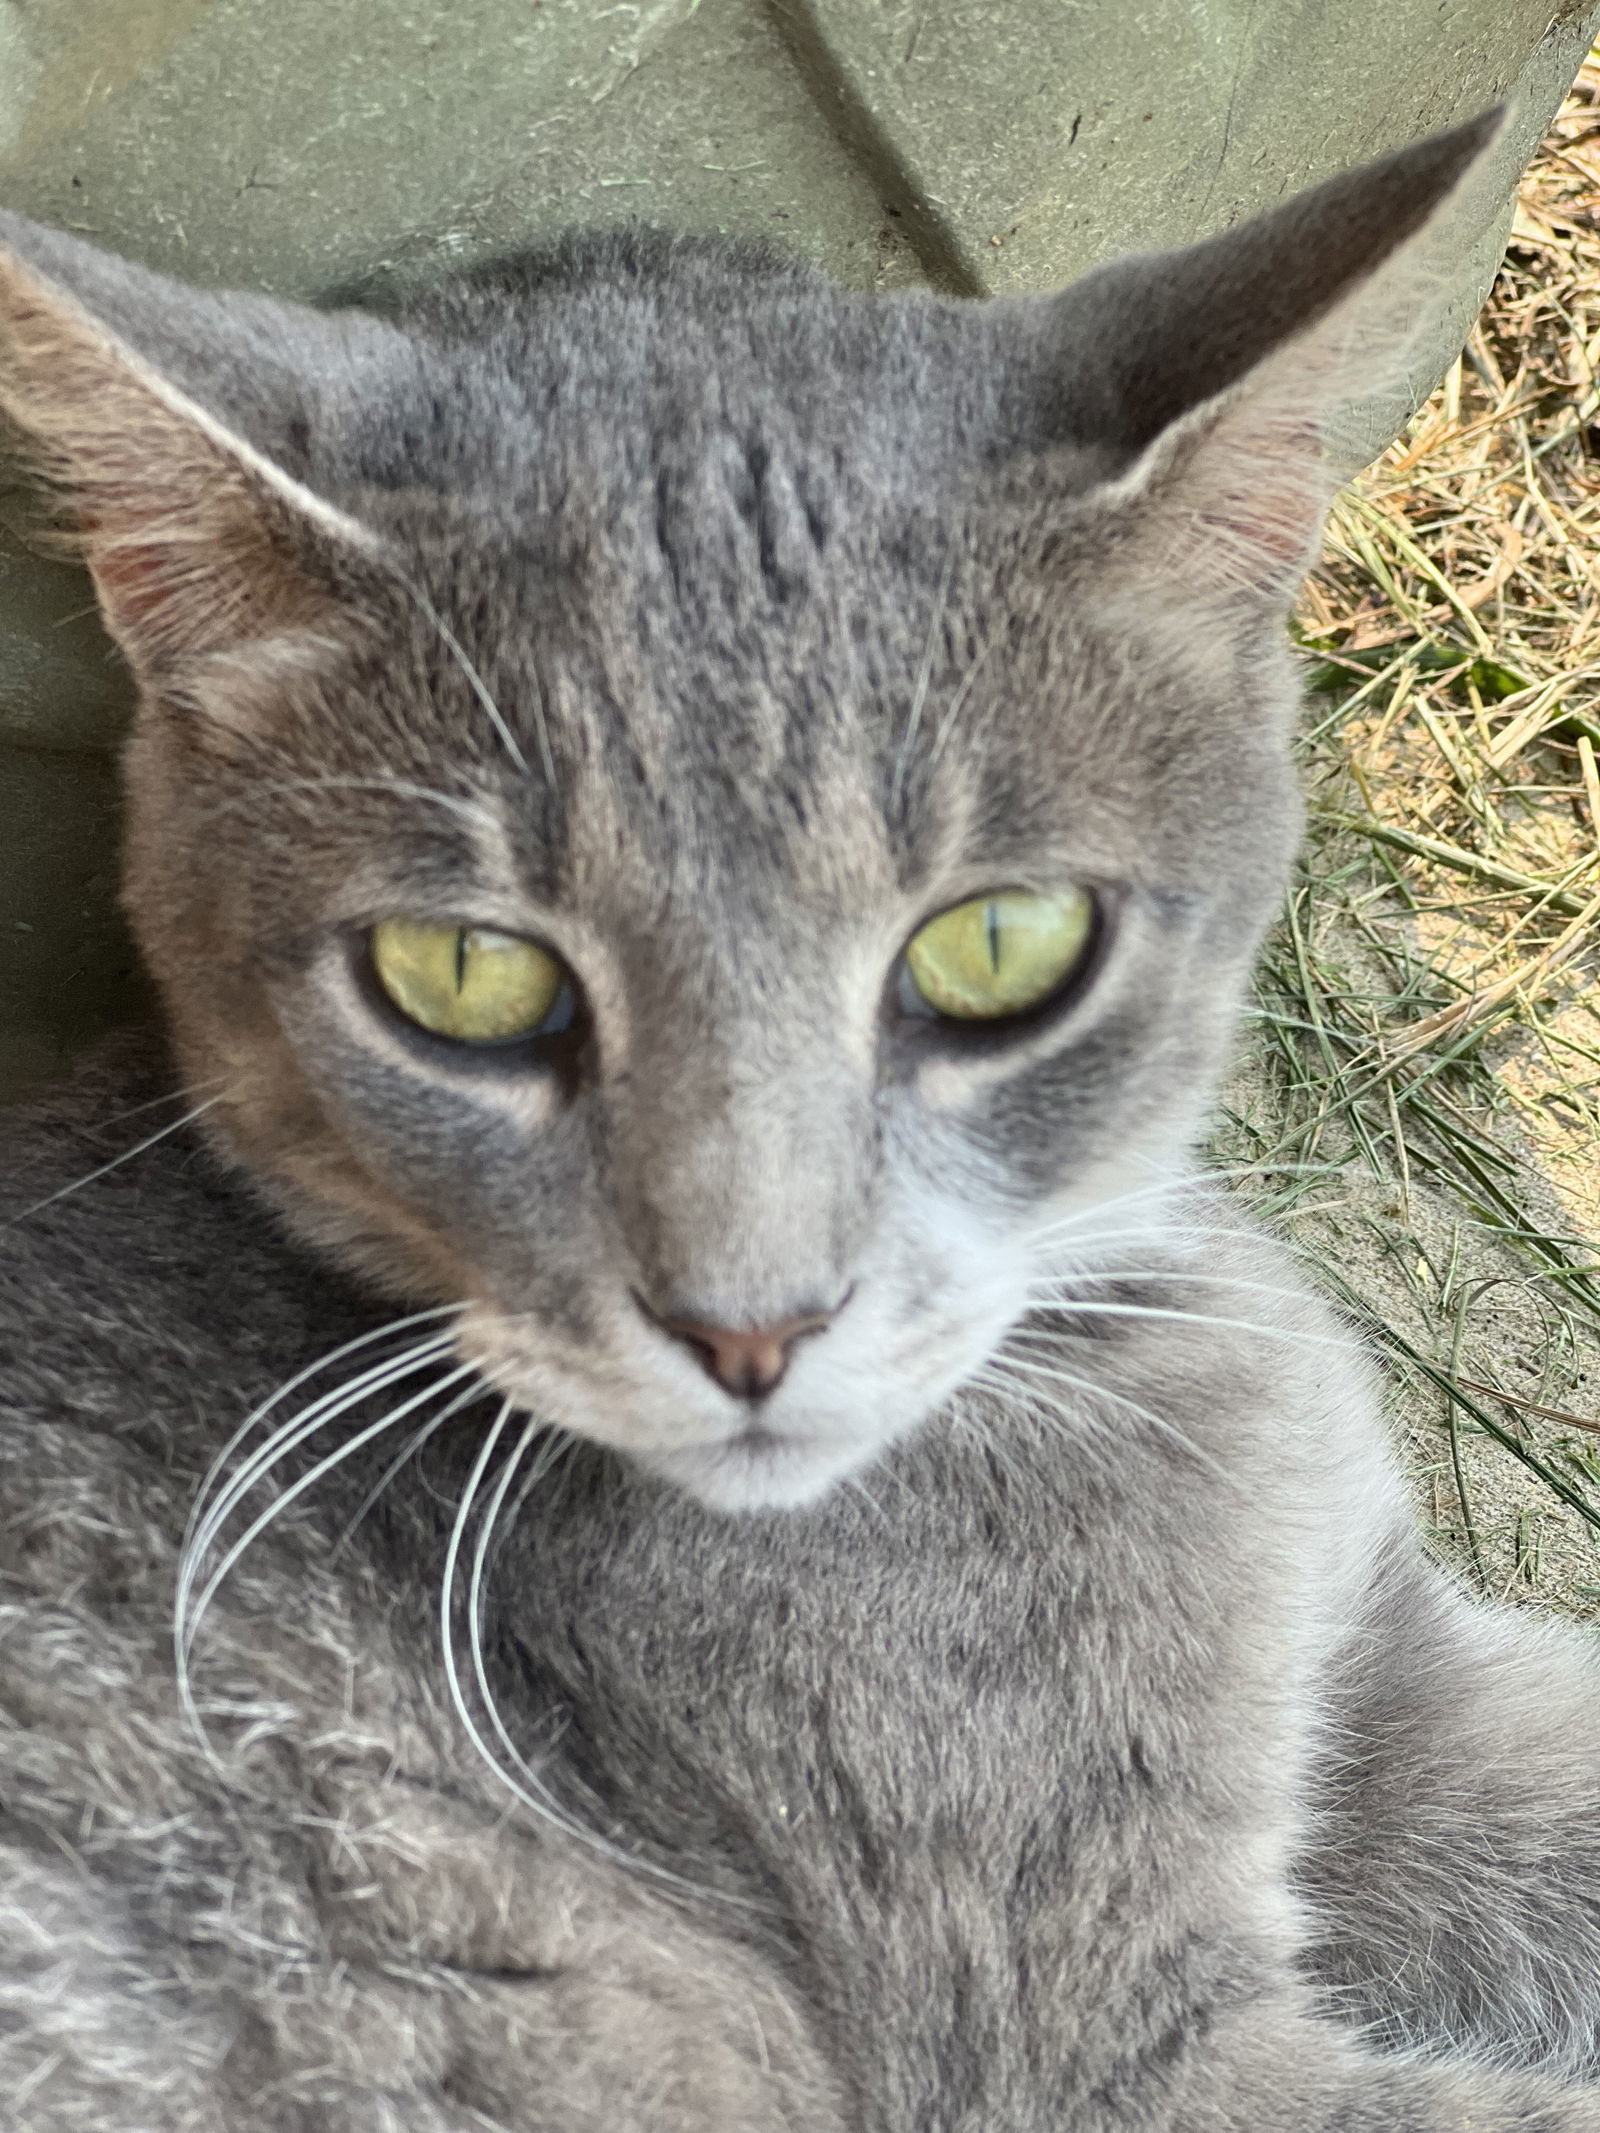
1047,1720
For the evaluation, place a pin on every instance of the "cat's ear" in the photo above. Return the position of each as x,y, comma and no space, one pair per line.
1242,380
198,540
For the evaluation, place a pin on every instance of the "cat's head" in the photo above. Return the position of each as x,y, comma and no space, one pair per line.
714,821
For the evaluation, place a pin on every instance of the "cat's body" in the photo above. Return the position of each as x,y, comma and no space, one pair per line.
966,1663
982,1798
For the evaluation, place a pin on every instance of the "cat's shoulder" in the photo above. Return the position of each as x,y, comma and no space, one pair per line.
135,1272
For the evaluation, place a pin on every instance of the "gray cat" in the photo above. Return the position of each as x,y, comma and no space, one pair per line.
751,1549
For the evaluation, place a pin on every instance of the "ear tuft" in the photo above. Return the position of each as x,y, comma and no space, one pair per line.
1230,499
196,541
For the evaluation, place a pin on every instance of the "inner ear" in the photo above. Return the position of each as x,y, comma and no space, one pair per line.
1229,500
196,541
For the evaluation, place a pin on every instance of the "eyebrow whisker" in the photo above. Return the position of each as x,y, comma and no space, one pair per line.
480,688
924,676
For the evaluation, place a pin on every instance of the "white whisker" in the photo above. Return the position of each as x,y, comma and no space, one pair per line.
924,675
1204,1173
1179,1183
487,1527
204,1527
1084,1307
471,811
407,1452
963,691
1081,1426
1058,1287
154,1103
1006,1359
284,1442
854,1482
190,1626
1053,1372
480,688
117,1161
1174,1182
987,1436
259,1414
537,1800
534,1794
1092,1258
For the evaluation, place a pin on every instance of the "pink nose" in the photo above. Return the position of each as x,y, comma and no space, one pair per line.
746,1364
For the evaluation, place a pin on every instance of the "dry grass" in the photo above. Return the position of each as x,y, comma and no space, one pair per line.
1423,1110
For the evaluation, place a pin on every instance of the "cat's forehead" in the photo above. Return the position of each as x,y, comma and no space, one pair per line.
736,592
765,666
729,744
637,361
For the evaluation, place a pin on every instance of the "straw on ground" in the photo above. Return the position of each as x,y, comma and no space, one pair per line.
1421,1110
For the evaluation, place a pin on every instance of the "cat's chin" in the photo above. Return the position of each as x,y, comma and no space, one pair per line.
758,1470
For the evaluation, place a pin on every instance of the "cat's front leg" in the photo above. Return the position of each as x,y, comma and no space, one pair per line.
1455,1871
1276,2069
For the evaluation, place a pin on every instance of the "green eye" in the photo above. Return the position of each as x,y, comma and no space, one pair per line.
466,982
999,954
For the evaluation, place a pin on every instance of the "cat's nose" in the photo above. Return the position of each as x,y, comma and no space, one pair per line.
747,1364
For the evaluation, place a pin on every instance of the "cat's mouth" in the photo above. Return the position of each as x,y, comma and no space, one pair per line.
757,1467
748,1454
840,1387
